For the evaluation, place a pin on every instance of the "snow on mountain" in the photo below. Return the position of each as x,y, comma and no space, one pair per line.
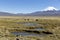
50,9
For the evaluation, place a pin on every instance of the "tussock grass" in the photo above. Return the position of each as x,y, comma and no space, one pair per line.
16,24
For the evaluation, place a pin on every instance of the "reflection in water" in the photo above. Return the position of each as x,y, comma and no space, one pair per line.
25,34
39,29
28,23
28,33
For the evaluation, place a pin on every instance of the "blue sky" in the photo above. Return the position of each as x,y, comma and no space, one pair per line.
27,6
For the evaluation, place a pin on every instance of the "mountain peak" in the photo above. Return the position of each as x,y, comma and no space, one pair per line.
50,8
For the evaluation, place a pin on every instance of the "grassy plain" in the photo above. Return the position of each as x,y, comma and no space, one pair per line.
10,24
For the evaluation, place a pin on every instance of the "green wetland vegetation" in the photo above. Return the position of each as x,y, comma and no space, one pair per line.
29,28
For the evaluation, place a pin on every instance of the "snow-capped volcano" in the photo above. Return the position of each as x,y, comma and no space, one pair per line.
50,9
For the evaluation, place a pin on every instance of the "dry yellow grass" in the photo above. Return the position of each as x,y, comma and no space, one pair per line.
11,23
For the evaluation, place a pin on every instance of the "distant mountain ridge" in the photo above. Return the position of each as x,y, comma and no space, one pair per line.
49,11
46,13
38,13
